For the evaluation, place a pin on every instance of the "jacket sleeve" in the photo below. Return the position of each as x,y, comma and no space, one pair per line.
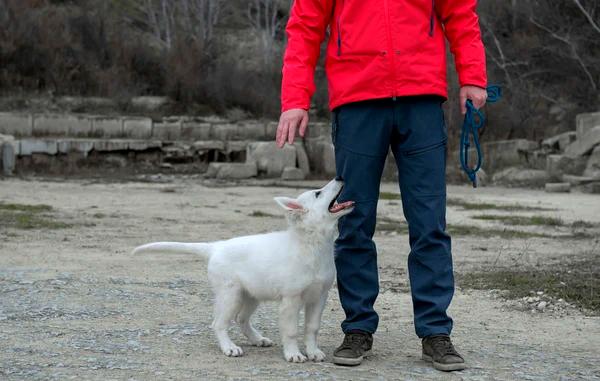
461,26
305,30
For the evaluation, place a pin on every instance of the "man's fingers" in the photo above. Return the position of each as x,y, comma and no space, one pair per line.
292,130
282,132
303,125
463,103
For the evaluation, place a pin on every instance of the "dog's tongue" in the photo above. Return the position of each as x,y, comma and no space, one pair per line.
338,207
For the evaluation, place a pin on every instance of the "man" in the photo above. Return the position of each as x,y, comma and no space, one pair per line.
386,68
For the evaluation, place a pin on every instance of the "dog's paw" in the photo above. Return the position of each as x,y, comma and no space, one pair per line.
316,355
263,342
233,351
295,357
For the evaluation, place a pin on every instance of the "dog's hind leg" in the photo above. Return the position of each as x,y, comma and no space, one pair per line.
289,312
312,322
228,304
249,305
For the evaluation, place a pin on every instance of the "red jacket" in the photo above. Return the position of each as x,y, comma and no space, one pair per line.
380,48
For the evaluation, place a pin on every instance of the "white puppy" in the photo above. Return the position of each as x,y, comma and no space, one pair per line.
294,266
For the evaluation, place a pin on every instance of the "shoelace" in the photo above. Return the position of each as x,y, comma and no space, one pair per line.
443,345
352,340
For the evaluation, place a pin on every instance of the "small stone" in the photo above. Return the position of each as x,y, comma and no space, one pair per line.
542,305
540,293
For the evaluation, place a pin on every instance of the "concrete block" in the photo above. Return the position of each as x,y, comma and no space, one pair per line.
516,176
237,171
209,145
508,153
137,128
62,125
32,146
8,157
560,142
292,173
143,145
194,131
578,180
150,103
107,128
167,131
251,131
270,159
585,122
83,146
319,129
271,130
111,145
236,146
18,125
224,132
213,169
558,188
584,145
592,168
558,165
302,158
593,188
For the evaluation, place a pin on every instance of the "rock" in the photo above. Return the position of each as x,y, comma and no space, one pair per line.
592,168
150,103
542,305
585,122
558,187
251,131
508,153
16,124
292,173
213,169
584,145
137,128
558,165
560,142
143,145
516,176
224,132
321,155
270,159
237,171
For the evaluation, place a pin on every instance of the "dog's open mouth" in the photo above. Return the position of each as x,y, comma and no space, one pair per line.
335,207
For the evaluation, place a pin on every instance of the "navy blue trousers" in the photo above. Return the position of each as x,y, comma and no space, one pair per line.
363,133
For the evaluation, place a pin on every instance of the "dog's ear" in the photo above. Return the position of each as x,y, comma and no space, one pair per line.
289,204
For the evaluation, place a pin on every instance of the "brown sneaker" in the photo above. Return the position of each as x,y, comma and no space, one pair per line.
439,350
356,346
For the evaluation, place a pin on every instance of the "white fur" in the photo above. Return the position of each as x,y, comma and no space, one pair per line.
294,267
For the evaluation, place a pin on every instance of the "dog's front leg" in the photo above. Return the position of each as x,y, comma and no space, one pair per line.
288,323
312,322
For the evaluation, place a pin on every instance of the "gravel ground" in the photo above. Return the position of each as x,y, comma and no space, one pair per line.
75,304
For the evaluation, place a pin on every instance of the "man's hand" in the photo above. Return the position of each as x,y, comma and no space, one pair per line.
289,122
476,94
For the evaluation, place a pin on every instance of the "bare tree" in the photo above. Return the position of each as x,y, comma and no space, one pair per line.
263,18
588,15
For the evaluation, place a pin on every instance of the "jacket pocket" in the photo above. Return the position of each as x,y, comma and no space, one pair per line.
432,19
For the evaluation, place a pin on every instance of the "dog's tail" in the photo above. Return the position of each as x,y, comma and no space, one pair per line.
202,249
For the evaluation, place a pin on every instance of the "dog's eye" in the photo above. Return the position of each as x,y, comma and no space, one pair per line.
317,194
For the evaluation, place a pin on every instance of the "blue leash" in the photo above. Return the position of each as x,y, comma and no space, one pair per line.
474,120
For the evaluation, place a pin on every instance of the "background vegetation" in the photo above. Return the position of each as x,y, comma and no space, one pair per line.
215,55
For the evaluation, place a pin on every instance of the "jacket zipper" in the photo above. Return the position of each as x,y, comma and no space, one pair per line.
339,30
432,19
390,47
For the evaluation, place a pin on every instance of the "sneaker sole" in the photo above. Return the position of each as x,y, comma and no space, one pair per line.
350,361
444,367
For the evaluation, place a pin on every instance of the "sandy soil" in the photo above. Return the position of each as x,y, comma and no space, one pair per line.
74,304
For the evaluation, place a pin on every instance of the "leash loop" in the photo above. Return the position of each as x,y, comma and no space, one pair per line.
474,120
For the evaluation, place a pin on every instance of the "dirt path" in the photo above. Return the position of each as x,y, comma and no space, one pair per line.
74,304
